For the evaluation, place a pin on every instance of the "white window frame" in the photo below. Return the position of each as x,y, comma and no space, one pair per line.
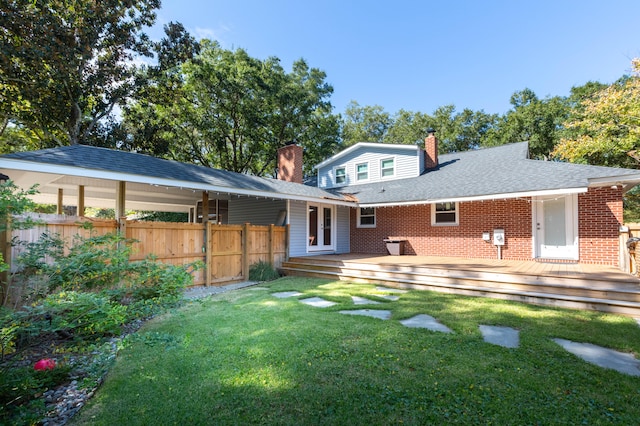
335,175
359,222
456,211
382,160
366,163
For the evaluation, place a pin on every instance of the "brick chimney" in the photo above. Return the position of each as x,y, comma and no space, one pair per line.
430,150
290,163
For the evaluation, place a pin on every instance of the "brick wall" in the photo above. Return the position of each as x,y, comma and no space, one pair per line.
464,240
600,214
600,217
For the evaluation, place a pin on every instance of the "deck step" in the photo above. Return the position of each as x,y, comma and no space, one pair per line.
611,296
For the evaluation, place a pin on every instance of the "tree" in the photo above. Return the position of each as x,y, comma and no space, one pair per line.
536,121
364,124
408,127
605,128
224,109
65,65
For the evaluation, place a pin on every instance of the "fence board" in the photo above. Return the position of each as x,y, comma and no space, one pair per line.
227,250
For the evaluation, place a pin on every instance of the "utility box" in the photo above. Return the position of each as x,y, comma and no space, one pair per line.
498,237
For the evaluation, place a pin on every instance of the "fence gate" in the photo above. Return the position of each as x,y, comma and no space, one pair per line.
224,253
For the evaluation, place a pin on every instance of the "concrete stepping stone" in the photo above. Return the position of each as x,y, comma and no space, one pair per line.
390,290
374,313
603,357
285,294
318,302
363,301
389,297
426,321
502,336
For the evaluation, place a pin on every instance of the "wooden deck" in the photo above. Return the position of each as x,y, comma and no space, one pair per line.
572,285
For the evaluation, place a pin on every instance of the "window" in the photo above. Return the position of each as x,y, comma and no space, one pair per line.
366,217
362,171
341,175
443,214
387,168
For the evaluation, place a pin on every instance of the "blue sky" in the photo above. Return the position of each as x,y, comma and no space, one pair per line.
419,55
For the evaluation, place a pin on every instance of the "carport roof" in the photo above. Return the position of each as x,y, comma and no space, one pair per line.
86,165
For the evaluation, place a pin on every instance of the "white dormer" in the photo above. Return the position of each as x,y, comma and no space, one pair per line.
367,162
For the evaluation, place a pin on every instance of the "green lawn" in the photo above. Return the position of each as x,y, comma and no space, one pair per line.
246,357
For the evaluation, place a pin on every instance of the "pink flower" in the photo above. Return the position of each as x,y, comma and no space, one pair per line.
44,364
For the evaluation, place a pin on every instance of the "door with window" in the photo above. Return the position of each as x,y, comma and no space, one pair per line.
556,227
320,227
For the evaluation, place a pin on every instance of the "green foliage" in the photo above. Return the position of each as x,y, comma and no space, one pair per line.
536,121
155,280
66,65
225,109
15,201
364,124
92,263
19,386
263,271
604,128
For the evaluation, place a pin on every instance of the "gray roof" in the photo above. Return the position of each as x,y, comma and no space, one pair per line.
487,172
109,160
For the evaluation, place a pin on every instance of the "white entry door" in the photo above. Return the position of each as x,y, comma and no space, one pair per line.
556,227
320,220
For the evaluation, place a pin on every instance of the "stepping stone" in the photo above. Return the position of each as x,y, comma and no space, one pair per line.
363,301
389,297
390,290
603,357
374,313
501,336
285,294
425,321
318,302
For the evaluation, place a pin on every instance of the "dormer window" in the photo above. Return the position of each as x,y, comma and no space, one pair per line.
362,172
340,175
387,168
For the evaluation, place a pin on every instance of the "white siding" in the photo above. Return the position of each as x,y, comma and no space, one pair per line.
297,228
407,163
343,240
257,212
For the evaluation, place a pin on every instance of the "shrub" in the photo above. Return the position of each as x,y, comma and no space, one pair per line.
20,386
96,262
262,271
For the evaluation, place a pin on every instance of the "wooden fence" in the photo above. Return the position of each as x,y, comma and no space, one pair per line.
627,262
226,250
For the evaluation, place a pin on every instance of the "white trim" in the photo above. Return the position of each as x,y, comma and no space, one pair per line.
6,164
320,227
480,197
570,251
365,145
395,166
365,163
335,176
359,211
456,212
610,180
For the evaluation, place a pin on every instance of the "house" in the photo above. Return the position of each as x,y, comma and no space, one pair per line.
477,204
98,177
486,203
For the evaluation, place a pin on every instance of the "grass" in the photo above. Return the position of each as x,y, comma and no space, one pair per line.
245,357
